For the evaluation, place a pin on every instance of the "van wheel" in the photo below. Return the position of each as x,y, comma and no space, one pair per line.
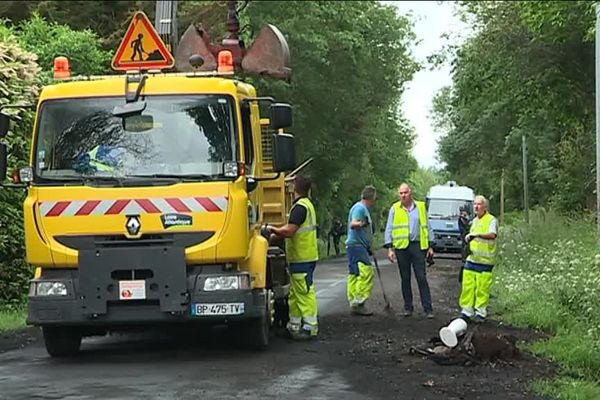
62,341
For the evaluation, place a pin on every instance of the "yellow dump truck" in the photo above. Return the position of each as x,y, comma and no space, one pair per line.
146,194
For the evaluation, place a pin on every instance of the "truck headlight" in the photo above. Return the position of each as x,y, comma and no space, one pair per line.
226,282
50,289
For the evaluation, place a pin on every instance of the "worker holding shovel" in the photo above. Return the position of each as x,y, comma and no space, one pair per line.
359,250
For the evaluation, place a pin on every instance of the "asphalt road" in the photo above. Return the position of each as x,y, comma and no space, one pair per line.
354,357
178,365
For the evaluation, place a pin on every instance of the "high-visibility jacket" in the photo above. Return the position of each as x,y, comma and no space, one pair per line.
302,247
401,227
483,251
95,162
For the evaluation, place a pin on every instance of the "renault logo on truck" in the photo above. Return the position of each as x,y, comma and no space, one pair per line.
133,225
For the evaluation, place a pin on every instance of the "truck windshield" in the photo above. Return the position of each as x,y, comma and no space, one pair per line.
175,136
446,208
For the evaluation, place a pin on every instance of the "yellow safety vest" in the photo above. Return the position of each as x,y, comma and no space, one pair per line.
302,247
483,251
401,227
94,162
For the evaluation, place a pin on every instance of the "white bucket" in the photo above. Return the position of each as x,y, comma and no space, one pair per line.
449,334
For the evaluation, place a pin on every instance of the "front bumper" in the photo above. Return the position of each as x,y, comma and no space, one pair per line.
446,242
108,311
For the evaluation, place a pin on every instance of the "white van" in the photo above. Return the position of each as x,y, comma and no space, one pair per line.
444,203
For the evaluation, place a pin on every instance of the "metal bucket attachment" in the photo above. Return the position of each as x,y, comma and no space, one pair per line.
193,42
269,55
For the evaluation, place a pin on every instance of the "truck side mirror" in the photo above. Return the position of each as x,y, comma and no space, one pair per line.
284,152
3,161
4,124
281,115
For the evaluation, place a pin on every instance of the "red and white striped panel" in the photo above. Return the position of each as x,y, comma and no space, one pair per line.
133,206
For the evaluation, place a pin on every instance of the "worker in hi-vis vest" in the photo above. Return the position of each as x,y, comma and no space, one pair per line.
407,240
359,250
477,272
302,253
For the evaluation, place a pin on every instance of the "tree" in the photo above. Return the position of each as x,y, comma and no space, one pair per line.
109,19
18,85
48,40
350,61
528,70
20,81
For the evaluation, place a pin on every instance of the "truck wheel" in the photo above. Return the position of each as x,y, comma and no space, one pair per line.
256,332
61,341
281,313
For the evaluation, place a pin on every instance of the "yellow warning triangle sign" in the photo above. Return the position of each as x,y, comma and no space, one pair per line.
142,47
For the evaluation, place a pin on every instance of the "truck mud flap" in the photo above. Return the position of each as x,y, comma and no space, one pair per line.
277,275
162,268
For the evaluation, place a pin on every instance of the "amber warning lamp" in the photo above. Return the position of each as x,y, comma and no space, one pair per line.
62,69
225,62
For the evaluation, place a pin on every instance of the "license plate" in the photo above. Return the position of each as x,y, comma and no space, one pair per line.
132,290
201,309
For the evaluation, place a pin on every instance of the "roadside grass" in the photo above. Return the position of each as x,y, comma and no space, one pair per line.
11,319
548,278
568,388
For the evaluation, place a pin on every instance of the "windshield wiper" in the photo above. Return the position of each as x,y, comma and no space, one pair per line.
63,179
181,177
91,180
100,178
127,180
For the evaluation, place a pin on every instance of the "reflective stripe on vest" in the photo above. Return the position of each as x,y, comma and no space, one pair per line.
483,251
401,226
302,247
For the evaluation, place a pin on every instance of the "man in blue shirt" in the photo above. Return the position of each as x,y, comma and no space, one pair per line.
358,248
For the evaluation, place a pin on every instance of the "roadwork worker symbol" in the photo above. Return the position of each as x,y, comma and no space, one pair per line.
138,47
138,51
142,47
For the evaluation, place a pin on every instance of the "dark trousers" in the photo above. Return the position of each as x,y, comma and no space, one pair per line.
414,257
336,244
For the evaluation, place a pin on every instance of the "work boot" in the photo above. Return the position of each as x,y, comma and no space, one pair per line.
302,335
361,309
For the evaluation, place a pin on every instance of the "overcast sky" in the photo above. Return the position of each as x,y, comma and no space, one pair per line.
432,19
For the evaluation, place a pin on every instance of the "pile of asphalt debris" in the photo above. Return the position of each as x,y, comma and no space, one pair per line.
475,347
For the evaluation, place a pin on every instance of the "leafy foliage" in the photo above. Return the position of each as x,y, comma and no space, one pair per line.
20,80
109,19
49,40
528,70
18,85
350,61
424,178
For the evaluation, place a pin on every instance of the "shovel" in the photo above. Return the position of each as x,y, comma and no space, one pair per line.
388,305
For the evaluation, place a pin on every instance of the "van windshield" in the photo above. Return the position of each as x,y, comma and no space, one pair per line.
174,136
447,208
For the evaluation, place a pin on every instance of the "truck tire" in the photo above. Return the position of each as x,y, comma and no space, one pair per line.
256,332
61,341
281,313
